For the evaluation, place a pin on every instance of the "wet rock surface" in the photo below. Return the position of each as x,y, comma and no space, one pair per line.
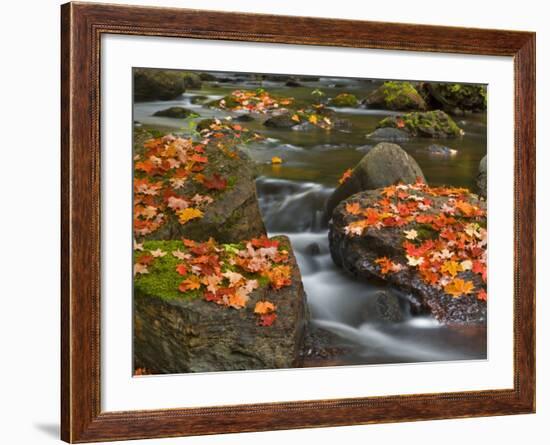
150,84
357,255
383,165
481,180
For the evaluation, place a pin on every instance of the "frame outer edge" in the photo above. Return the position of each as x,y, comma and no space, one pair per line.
82,420
66,89
525,170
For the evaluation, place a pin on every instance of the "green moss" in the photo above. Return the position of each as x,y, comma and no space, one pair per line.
344,100
430,123
425,231
162,280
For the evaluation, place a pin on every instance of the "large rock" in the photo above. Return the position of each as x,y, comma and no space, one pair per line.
385,164
344,100
192,81
400,96
357,254
233,216
154,84
481,180
175,112
281,120
456,98
434,124
175,335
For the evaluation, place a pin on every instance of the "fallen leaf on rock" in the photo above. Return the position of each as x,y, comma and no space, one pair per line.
264,307
267,319
216,182
459,287
189,214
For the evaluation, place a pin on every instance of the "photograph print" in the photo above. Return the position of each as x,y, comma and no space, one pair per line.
291,221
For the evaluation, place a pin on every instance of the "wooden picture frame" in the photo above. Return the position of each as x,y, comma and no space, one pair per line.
82,26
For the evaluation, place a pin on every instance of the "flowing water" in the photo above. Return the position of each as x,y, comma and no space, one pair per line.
292,198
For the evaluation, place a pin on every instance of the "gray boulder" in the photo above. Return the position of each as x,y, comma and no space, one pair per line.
357,255
153,84
384,165
389,134
281,120
481,180
175,112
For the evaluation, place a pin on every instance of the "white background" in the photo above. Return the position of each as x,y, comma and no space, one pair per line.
120,392
30,219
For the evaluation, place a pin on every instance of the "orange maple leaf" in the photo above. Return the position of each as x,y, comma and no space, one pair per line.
459,287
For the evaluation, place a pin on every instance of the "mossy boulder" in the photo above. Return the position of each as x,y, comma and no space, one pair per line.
153,84
199,99
176,112
233,215
433,124
281,120
344,100
176,333
456,98
385,164
192,81
207,77
229,102
357,255
399,96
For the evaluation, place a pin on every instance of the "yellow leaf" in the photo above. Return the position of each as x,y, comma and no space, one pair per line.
459,287
276,160
313,119
264,307
188,214
295,118
452,267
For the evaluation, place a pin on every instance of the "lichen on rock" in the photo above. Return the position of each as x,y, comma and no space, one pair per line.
394,95
434,124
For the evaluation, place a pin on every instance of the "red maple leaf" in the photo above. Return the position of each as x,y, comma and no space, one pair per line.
216,182
267,319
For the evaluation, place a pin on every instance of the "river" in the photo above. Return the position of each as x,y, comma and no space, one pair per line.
292,196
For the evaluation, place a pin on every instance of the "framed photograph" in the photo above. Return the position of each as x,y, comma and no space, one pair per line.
275,222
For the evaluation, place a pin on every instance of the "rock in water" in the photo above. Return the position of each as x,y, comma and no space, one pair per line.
434,124
481,180
233,215
175,335
455,98
192,81
175,112
441,150
388,134
384,165
416,254
400,96
344,100
152,84
281,120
